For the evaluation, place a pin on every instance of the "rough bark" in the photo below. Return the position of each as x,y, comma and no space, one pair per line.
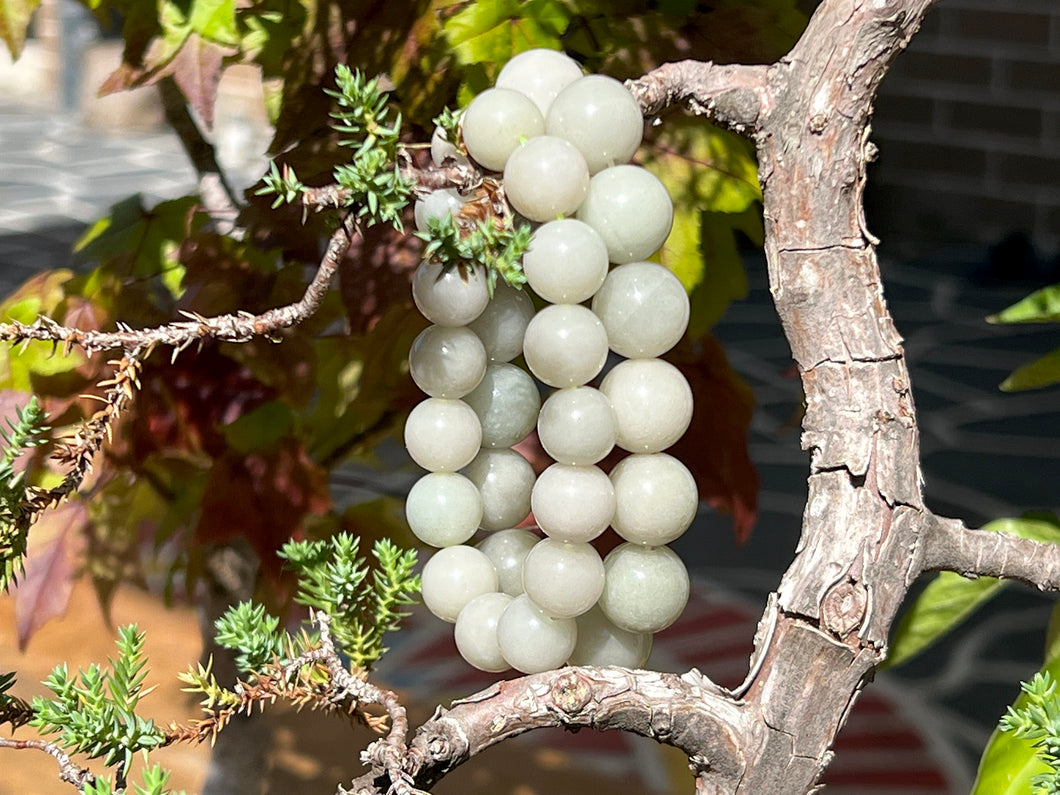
866,534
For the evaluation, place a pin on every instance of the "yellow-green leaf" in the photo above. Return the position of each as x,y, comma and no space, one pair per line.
1041,306
1041,372
39,296
215,20
1009,762
713,181
724,279
946,601
492,33
14,21
704,166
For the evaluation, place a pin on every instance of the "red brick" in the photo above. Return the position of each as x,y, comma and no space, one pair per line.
961,69
930,157
1009,26
1021,122
1052,221
1028,169
904,109
897,212
1034,76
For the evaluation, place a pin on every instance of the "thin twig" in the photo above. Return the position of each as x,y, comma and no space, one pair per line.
424,180
950,546
224,203
68,771
388,754
179,335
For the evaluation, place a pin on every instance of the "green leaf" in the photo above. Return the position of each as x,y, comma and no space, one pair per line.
1009,762
14,20
947,601
723,278
492,33
1052,635
713,180
260,429
704,166
1042,306
143,242
173,17
215,20
41,295
1039,373
950,598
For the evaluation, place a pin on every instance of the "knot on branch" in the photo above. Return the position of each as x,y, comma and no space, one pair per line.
843,607
439,746
571,693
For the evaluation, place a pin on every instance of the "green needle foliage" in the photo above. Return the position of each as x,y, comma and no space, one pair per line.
364,601
449,121
285,184
94,713
27,430
372,180
497,249
252,633
153,782
1038,720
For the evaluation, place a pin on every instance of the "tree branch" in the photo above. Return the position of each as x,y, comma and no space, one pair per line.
68,771
221,200
689,712
950,546
179,335
732,94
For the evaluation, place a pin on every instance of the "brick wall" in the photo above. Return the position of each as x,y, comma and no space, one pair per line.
968,127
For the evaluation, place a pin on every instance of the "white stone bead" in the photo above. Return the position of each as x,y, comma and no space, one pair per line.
652,402
577,426
443,435
453,577
656,498
443,509
573,503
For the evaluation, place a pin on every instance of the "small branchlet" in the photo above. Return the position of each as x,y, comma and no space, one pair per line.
1038,720
75,452
353,604
251,633
284,184
449,122
27,430
94,713
363,602
372,183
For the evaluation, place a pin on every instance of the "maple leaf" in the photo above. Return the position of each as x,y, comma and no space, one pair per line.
715,446
264,496
52,564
